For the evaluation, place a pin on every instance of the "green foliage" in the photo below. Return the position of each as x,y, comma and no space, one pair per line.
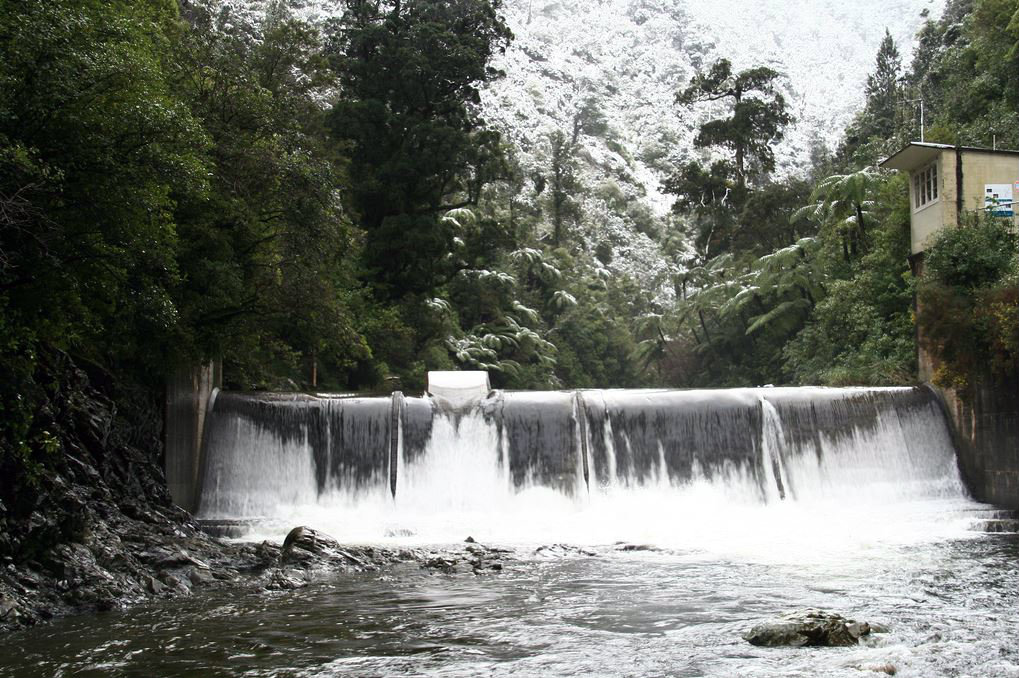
844,202
817,311
758,115
969,301
410,73
861,333
966,70
93,147
563,185
977,255
266,281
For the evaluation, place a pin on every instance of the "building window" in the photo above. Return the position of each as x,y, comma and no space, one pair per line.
925,185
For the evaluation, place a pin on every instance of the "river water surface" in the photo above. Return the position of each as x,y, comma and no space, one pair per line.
952,606
698,513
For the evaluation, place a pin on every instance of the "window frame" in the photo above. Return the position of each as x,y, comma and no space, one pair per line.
926,190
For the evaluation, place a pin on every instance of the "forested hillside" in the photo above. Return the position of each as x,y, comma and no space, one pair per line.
326,194
806,280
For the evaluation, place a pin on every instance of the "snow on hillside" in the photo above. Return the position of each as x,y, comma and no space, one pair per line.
622,61
628,58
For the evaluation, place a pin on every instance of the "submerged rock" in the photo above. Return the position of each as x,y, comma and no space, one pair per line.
282,581
446,565
562,551
637,547
809,628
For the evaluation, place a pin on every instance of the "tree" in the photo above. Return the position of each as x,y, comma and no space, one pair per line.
844,201
410,73
862,331
757,115
884,89
562,183
265,252
94,146
710,198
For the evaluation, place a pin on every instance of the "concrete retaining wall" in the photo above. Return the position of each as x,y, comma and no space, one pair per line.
985,425
188,392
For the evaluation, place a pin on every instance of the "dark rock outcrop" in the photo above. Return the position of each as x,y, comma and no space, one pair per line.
86,521
473,557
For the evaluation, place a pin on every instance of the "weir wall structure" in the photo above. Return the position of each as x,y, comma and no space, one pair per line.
985,428
189,391
270,452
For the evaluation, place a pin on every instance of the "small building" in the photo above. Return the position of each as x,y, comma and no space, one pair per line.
947,181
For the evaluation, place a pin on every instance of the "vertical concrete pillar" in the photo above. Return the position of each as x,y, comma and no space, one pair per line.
188,391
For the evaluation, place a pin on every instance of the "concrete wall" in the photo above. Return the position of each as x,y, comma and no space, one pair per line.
187,400
985,425
979,169
931,218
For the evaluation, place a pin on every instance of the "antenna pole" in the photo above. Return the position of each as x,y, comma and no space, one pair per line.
918,101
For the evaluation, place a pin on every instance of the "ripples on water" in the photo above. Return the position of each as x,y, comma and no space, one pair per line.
953,607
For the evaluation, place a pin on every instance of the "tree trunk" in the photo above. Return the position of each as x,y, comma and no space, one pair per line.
860,226
707,335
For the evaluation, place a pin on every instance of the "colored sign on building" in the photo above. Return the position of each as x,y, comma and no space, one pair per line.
998,199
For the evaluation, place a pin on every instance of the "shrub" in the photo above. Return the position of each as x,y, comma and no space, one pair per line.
977,255
969,302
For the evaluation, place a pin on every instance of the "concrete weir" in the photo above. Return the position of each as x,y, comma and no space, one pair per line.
266,452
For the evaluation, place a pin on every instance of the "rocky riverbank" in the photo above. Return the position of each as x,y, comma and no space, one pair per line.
87,523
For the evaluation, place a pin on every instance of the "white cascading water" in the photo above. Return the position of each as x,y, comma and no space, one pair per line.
764,473
772,445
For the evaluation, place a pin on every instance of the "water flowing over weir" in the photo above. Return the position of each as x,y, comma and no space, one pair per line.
377,467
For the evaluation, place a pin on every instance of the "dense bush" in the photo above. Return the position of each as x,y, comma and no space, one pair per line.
969,302
973,257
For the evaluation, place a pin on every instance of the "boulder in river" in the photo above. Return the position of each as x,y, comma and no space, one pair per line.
313,549
808,628
303,544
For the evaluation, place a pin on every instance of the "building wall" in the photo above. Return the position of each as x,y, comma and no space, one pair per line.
978,169
930,218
